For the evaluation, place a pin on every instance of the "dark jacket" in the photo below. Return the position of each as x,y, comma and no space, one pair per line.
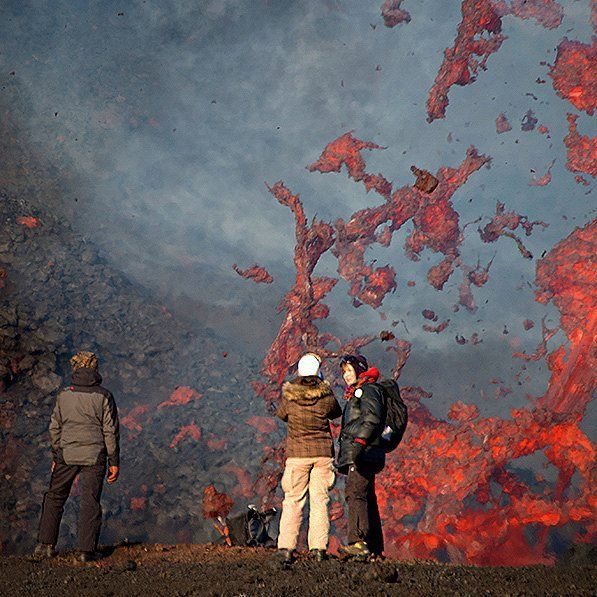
363,418
307,405
84,428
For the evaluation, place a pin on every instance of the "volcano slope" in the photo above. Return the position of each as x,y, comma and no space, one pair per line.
184,398
216,570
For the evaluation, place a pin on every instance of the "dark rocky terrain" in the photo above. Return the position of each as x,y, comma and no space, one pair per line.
57,296
213,570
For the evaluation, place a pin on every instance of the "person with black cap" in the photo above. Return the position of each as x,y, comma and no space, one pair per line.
361,455
84,434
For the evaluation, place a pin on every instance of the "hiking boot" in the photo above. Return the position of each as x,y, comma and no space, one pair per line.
88,556
319,555
43,551
355,550
285,557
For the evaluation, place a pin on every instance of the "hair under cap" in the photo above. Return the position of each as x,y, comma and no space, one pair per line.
84,360
357,362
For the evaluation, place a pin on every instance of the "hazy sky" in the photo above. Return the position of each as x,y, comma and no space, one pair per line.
171,116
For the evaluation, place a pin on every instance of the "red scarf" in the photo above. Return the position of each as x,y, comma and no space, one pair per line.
369,376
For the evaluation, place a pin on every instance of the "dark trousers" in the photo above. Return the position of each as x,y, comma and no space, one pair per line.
90,512
364,523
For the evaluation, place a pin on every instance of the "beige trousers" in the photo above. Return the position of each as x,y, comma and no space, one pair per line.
317,476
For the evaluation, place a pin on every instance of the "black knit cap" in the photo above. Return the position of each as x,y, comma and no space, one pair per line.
358,363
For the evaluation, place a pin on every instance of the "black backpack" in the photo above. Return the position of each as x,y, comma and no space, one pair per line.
396,415
251,528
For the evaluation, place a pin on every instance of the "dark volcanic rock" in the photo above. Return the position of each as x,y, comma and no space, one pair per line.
59,296
213,570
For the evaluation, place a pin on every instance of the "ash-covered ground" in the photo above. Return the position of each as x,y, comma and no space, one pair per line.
223,571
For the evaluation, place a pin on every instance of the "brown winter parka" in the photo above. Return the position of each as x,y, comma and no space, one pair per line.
307,405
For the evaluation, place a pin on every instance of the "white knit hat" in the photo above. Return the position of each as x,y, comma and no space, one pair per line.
309,364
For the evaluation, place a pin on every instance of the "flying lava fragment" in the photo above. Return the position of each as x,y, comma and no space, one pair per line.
582,150
393,14
29,221
501,124
574,74
256,273
479,36
543,180
453,493
215,503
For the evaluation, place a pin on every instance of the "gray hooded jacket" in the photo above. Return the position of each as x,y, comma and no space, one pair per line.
84,428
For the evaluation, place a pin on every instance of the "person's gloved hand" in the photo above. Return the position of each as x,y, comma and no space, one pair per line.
113,474
359,447
56,459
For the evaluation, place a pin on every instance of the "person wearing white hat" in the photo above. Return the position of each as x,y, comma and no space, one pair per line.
307,405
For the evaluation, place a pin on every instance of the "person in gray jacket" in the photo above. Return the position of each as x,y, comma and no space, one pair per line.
84,433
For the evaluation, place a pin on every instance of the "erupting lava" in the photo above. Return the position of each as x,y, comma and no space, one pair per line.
574,74
450,491
256,273
582,150
480,36
393,14
28,221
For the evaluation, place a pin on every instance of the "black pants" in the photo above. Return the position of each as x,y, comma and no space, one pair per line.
364,523
90,512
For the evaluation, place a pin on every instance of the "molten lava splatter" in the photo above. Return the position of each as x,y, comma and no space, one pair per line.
582,150
132,420
244,487
528,122
29,221
475,339
503,220
528,324
436,227
386,336
463,412
138,503
544,180
477,452
256,273
181,395
480,35
574,74
262,424
215,503
346,150
436,329
477,276
392,13
449,490
501,124
217,445
547,13
191,431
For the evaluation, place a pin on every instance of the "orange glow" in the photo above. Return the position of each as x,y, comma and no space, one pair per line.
29,222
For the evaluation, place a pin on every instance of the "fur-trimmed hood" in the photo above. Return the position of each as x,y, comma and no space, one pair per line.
306,390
